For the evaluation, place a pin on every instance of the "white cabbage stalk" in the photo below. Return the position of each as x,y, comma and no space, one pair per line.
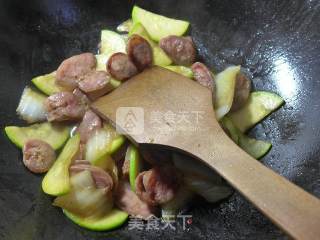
200,179
85,199
31,106
98,146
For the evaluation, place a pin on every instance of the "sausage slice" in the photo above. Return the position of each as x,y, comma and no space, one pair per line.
64,106
38,156
74,68
96,84
241,92
121,67
140,52
157,185
181,50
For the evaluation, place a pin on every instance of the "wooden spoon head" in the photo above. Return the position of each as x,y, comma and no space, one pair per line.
161,107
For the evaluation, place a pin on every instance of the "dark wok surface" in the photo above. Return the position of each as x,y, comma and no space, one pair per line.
277,43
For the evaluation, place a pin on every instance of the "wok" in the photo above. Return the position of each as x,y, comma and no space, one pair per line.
276,42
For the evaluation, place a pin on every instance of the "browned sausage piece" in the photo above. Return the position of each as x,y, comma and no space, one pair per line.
158,185
82,97
101,178
96,84
90,123
121,67
64,106
140,52
181,50
241,92
129,202
74,68
203,75
38,156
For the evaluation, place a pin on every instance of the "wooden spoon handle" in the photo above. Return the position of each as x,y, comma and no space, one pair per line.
288,206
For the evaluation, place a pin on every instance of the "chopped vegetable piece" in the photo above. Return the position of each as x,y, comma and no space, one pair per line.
47,84
31,106
159,26
225,86
117,143
111,220
259,105
111,42
256,148
135,164
160,58
211,191
102,60
125,26
53,134
185,71
57,182
100,144
230,129
85,198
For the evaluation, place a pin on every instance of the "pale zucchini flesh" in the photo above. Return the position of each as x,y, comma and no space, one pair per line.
159,26
185,71
225,86
47,84
259,105
57,181
126,26
255,148
53,134
111,42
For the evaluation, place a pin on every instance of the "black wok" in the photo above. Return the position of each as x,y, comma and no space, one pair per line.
277,43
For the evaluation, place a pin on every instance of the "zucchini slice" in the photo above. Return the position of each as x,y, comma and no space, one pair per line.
160,58
125,26
57,181
111,42
47,84
225,85
53,134
135,165
259,105
185,71
255,148
159,26
111,220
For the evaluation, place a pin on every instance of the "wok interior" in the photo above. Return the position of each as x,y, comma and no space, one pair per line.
277,43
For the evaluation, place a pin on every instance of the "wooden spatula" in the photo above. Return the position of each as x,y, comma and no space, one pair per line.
177,112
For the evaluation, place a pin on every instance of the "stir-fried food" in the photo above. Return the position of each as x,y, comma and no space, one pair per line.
97,176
